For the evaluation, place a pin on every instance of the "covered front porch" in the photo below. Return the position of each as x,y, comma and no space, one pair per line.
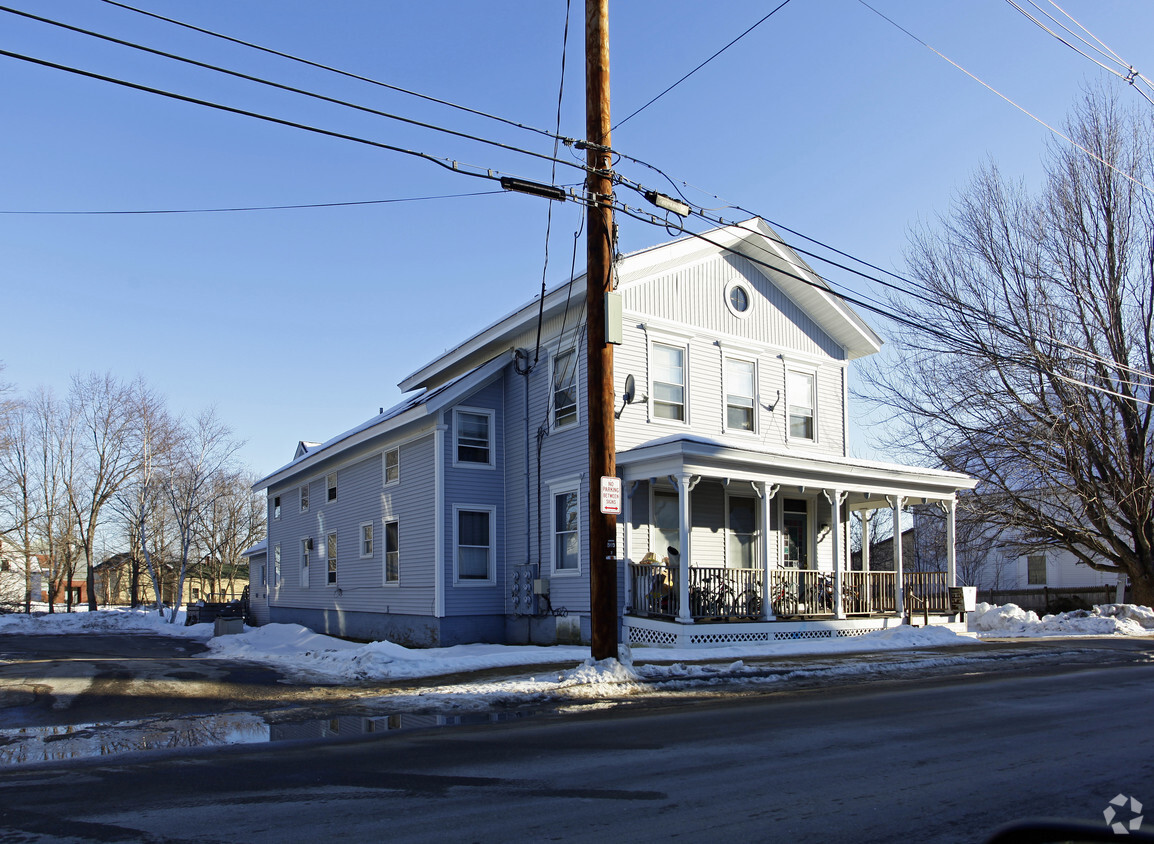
739,544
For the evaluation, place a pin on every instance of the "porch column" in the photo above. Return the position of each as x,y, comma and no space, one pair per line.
897,502
767,492
625,523
951,547
835,497
866,517
684,485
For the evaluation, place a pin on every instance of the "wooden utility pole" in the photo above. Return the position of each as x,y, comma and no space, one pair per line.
599,368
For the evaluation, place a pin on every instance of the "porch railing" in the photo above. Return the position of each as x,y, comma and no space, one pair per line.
738,594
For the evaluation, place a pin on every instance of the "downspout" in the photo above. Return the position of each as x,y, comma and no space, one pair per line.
439,521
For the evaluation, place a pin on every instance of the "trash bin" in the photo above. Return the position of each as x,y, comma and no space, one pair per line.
227,626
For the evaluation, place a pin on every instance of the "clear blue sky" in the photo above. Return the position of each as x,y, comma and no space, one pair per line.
298,324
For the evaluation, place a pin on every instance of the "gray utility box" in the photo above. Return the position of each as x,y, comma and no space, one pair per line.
227,626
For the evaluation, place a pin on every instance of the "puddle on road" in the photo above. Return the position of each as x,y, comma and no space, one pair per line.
33,745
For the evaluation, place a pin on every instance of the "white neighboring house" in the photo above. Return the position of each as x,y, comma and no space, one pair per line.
12,578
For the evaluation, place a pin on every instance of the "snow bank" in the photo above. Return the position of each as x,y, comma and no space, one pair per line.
1105,620
142,620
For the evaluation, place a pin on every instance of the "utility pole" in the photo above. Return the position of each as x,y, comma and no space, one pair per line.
599,368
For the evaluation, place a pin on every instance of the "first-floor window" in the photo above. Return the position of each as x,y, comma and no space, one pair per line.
276,565
366,540
1036,570
666,526
474,545
331,553
566,534
742,531
392,553
306,554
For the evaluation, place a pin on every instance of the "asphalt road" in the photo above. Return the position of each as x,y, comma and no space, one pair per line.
938,759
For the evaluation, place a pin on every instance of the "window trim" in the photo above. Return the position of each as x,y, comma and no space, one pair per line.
491,510
332,559
396,466
559,426
565,486
331,486
725,381
492,444
396,581
811,373
371,543
683,346
748,290
306,546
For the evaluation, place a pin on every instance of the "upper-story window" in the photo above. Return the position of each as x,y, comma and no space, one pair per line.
304,498
331,483
366,540
740,393
474,431
738,298
799,387
668,390
276,507
565,389
392,466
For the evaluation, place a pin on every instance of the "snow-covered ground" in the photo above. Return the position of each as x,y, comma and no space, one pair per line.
301,653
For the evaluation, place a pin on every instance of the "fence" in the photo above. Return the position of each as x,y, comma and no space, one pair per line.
1053,599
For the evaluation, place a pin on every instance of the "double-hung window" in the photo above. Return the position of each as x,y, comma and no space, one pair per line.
566,531
1036,570
276,507
565,389
742,532
740,395
392,553
276,581
799,387
331,484
392,466
668,389
304,498
474,541
474,437
366,540
331,555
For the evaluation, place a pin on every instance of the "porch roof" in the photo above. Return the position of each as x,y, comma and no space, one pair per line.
717,459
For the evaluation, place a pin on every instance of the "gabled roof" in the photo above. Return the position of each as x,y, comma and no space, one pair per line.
409,410
754,239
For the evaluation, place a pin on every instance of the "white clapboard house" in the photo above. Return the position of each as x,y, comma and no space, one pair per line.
461,514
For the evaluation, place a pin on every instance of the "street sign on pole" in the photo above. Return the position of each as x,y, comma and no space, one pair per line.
611,496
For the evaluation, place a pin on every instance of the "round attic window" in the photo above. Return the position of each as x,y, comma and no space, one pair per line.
737,298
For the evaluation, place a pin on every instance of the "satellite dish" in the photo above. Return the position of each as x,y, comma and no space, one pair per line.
630,389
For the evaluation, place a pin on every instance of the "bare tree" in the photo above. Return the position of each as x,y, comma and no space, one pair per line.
1026,356
17,487
233,521
105,452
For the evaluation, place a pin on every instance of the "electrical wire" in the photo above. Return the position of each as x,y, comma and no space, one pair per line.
447,163
1129,76
261,207
1024,111
699,67
338,71
289,88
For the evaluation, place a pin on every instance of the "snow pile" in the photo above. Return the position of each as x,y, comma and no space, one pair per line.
1106,620
107,620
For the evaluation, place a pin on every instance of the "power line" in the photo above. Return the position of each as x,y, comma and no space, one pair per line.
1024,111
447,163
1129,76
338,71
260,207
290,88
629,117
